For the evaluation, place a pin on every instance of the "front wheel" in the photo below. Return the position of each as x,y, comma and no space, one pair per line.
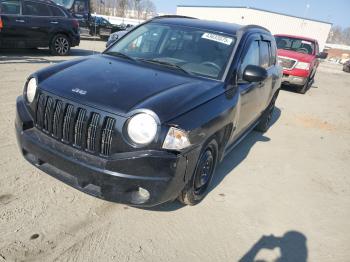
305,87
60,45
197,188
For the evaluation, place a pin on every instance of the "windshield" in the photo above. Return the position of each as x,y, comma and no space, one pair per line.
295,44
191,50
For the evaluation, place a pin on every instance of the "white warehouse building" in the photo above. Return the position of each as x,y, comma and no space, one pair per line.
277,23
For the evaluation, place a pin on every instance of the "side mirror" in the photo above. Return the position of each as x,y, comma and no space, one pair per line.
322,55
253,73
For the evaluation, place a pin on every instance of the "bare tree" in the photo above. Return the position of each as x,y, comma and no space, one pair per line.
140,9
346,36
122,7
149,9
335,35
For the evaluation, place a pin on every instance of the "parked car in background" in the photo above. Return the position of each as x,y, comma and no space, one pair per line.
156,112
102,27
117,35
299,59
346,66
35,23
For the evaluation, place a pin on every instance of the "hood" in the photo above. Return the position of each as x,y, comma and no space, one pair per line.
119,86
295,55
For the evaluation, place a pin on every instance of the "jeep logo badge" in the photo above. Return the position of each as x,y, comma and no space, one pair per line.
79,91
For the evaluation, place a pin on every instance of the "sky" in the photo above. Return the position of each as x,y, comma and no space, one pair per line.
336,11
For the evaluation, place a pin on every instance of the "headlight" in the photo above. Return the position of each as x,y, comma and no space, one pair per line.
31,89
113,37
142,128
302,65
176,139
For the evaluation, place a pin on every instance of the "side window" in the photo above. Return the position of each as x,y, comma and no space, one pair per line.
36,9
264,54
12,7
57,12
250,58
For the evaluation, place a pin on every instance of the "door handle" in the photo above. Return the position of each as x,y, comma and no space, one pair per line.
54,22
260,84
20,21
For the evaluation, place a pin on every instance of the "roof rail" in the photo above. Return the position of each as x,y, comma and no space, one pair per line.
254,26
172,16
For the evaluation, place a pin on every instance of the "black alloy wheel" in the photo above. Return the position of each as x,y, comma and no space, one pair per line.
60,45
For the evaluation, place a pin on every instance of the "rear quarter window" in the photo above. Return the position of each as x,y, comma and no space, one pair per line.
57,12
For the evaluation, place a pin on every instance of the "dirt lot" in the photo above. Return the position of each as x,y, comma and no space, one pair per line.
293,178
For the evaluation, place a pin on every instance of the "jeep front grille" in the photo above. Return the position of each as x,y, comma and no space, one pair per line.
76,126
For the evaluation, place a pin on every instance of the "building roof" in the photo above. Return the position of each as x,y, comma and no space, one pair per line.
227,28
258,9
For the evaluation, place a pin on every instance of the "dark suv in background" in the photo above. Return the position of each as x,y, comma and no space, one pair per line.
34,23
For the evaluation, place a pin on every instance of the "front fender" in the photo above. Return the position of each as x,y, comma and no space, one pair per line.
207,119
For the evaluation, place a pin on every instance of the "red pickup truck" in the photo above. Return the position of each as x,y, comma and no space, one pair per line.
299,57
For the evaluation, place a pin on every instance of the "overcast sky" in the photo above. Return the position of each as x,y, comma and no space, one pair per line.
336,11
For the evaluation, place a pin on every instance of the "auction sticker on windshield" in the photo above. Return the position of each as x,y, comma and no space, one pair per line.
218,38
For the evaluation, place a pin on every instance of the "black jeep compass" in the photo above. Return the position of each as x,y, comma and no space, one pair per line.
154,114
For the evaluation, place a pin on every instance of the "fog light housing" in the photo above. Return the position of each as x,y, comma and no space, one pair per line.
140,196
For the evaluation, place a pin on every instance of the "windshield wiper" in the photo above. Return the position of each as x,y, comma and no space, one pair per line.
120,54
167,64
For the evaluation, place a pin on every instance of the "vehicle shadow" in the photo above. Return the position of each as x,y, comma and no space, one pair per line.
294,89
38,56
291,247
231,161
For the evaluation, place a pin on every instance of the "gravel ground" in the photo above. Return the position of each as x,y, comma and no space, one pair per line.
282,194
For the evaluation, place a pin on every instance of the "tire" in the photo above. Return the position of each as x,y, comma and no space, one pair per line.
60,45
305,87
264,122
197,188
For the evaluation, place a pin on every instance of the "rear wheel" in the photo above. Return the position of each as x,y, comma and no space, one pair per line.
60,45
197,188
265,119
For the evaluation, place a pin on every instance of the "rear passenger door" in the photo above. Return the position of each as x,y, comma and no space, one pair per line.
38,16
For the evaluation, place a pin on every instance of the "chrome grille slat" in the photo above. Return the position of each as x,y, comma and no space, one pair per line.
78,128
106,140
40,110
47,114
92,130
56,119
67,122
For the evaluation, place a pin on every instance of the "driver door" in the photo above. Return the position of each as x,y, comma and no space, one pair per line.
249,92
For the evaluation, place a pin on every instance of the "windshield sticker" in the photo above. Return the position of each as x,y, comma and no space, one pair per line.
305,42
218,38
